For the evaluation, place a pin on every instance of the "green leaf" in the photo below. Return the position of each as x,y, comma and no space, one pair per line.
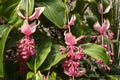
58,78
30,75
53,58
42,49
8,10
30,6
53,76
91,19
80,5
96,51
54,11
5,31
37,76
77,29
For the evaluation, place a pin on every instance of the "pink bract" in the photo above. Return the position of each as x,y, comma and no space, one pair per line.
37,13
72,20
28,29
102,29
70,39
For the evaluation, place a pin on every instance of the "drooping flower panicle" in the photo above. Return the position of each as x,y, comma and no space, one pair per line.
74,53
26,47
26,44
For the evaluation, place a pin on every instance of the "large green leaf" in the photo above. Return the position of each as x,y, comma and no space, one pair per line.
8,10
96,51
4,31
42,49
53,58
54,11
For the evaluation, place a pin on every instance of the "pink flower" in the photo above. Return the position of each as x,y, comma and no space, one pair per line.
70,39
110,35
100,8
27,28
35,15
102,29
25,48
71,67
71,22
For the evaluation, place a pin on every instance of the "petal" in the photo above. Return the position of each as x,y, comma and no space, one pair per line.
108,8
26,28
34,26
70,39
37,13
79,38
97,27
100,8
19,12
72,20
105,26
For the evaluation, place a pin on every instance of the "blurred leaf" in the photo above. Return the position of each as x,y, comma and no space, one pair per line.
91,20
80,5
30,75
96,51
54,11
58,78
8,10
77,29
5,32
112,77
53,76
37,76
53,58
42,48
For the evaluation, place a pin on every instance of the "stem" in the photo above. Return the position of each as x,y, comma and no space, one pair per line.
73,78
27,8
35,70
102,14
102,40
85,8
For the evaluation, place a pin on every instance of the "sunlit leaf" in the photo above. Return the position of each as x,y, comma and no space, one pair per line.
42,49
96,51
30,75
53,58
53,76
54,11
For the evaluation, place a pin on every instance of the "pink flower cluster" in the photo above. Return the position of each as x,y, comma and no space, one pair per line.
26,48
26,44
104,33
74,54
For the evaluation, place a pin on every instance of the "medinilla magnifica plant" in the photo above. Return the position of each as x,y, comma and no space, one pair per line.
56,39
